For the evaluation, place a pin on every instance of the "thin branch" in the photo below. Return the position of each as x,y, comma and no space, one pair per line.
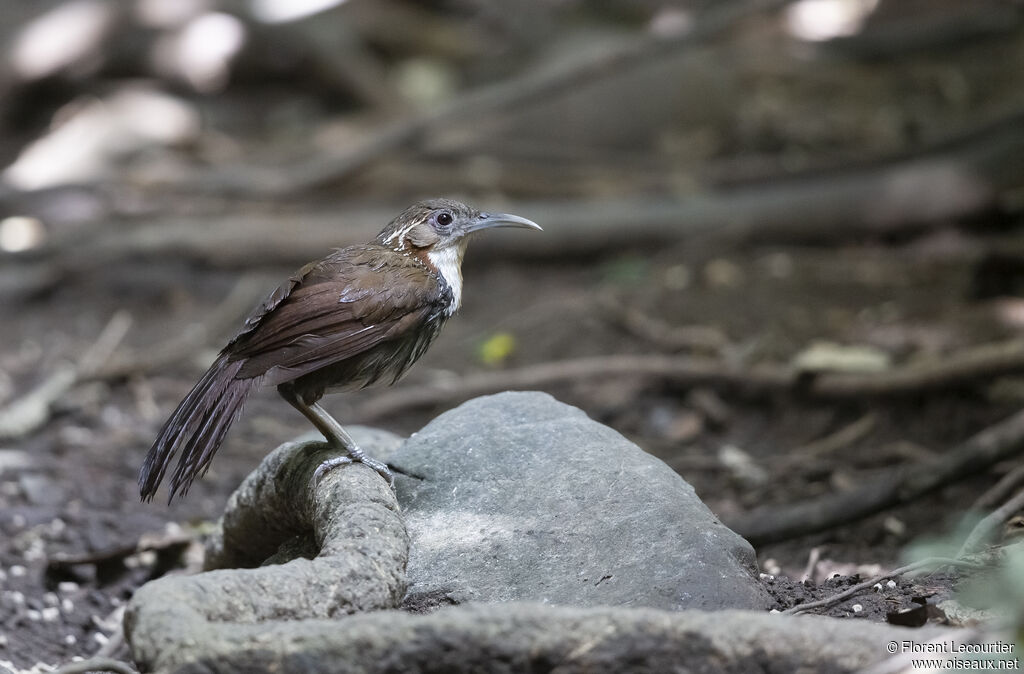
103,348
928,563
513,94
32,410
1001,490
97,665
224,316
958,369
898,486
985,529
703,338
678,370
833,442
971,176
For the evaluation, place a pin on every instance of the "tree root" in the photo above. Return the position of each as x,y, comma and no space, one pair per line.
360,566
517,637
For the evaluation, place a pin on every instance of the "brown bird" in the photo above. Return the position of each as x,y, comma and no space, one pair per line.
361,314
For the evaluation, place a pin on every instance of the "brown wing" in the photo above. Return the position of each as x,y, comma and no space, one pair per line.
335,309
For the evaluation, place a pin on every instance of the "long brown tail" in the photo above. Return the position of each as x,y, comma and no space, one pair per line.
197,427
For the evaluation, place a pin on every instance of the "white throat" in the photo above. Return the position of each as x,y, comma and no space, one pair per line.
448,262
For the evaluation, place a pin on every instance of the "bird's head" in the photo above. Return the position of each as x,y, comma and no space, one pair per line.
435,225
437,230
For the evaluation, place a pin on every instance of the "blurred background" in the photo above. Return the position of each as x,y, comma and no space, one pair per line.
783,247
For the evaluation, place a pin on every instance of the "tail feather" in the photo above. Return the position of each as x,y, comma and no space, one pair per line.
196,428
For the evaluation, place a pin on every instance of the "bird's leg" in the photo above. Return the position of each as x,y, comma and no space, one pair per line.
335,435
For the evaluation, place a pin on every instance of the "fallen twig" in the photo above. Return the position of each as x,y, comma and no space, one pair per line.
931,562
31,411
1001,490
900,485
984,529
703,338
97,664
833,442
158,542
224,316
681,370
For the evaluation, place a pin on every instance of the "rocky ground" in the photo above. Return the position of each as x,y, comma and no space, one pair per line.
68,490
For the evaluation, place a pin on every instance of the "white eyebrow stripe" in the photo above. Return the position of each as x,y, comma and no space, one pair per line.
399,234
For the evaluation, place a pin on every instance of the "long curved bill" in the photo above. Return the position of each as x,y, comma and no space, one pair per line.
488,220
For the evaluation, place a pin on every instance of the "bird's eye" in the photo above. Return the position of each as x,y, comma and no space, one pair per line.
444,218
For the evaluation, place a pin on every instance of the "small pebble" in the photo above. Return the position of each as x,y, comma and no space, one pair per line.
857,608
50,599
50,614
677,277
35,551
891,584
17,598
775,610
67,587
722,273
3,641
70,639
67,605
877,587
767,576
17,571
33,614
142,559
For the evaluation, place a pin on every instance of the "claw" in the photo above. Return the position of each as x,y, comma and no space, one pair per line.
329,464
379,466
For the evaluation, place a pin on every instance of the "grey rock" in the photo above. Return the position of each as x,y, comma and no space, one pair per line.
40,490
524,498
13,459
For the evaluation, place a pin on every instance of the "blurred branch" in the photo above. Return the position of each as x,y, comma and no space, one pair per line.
894,37
951,371
831,443
702,338
898,486
986,528
510,95
97,664
1001,490
223,317
31,411
958,178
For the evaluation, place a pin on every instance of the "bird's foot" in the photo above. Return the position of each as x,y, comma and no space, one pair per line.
353,456
379,466
329,464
